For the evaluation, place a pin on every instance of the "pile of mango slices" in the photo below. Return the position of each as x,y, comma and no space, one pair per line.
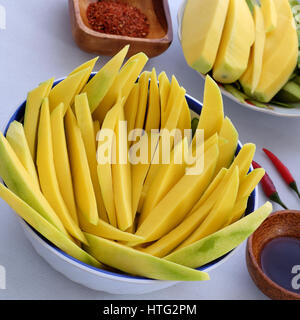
147,219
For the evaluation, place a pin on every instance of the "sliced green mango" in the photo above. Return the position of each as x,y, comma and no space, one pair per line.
47,174
32,111
96,124
164,90
269,14
82,182
220,242
137,263
131,107
85,123
16,137
61,160
45,228
99,85
250,182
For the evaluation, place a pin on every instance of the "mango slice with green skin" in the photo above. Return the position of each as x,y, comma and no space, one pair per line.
153,112
179,200
19,181
164,90
269,15
83,186
122,84
16,137
212,114
106,230
61,160
121,174
104,169
65,91
32,112
278,62
130,109
237,39
227,151
138,263
201,32
99,85
251,76
167,176
220,212
220,242
45,228
86,65
86,126
47,174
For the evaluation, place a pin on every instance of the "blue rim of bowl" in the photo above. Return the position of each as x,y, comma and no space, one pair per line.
195,106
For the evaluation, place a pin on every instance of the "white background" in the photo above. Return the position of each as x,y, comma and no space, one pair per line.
38,45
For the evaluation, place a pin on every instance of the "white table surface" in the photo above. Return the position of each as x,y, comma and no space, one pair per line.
36,45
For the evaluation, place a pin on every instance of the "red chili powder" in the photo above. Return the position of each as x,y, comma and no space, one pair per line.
114,17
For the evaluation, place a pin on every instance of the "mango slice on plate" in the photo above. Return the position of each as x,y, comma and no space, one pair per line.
131,107
19,181
86,126
82,182
221,242
16,137
61,160
45,228
201,54
269,15
47,174
32,111
250,78
237,39
250,182
96,125
138,263
164,90
184,121
99,85
179,200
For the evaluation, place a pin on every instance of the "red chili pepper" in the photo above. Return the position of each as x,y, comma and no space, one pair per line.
269,187
283,170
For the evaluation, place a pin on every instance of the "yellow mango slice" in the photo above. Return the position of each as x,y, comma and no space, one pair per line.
32,112
237,39
61,160
96,128
166,177
121,174
104,167
220,242
122,85
250,182
131,107
178,201
212,114
16,137
172,98
45,228
138,263
269,15
99,85
106,230
47,174
153,113
86,65
278,62
65,91
143,98
83,186
164,90
227,151
250,78
220,212
201,32
184,121
170,241
86,126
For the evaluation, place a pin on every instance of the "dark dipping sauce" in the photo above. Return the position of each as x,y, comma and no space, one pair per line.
280,261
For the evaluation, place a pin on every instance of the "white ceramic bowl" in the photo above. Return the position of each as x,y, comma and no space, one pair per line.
102,280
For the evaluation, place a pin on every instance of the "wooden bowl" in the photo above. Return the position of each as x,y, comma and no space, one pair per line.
158,40
284,223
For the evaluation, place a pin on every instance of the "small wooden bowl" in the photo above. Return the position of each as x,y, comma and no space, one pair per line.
158,40
284,223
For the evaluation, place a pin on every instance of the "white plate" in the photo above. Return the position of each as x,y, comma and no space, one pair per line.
276,111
